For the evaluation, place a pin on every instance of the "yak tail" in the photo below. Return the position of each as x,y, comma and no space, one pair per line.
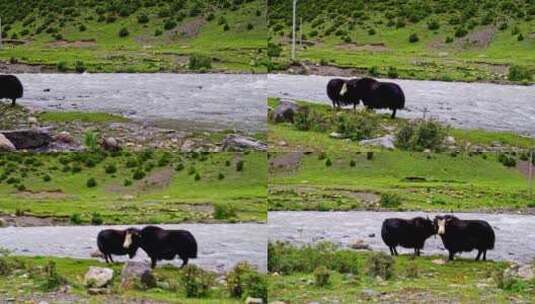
492,239
343,91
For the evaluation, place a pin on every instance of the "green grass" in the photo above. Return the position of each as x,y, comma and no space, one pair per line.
429,58
20,286
286,137
391,279
88,117
422,181
163,195
236,50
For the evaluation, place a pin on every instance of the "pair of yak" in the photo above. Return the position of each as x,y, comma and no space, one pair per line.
158,243
457,235
374,94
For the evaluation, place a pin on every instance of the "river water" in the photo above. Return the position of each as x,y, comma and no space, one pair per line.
185,101
515,234
221,246
467,105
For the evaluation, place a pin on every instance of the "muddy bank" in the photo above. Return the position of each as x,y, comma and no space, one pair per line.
466,105
221,246
515,234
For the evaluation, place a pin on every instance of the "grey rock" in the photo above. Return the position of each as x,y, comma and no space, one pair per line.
6,145
284,112
138,271
237,143
98,277
386,142
111,144
28,138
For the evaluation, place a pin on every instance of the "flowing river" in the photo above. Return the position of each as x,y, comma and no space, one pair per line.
515,234
183,101
467,105
221,246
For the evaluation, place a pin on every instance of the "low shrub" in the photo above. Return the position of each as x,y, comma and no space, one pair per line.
380,265
519,73
143,18
239,165
138,174
91,183
96,218
224,211
357,126
76,218
507,160
413,38
123,32
390,200
110,169
197,282
197,62
322,276
420,135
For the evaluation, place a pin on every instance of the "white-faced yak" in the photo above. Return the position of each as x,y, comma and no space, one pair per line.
10,88
376,94
410,233
111,242
162,244
337,90
465,235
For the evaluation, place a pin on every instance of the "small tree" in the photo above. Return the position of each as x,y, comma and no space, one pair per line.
124,32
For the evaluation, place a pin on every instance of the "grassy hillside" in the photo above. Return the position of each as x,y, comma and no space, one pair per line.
311,273
35,279
451,39
135,36
396,181
128,188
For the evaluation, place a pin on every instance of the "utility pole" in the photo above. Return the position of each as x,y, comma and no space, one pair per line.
301,33
293,28
530,174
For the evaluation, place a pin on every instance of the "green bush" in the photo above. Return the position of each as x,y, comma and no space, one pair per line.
143,18
371,32
358,126
413,38
287,258
239,165
420,135
433,25
96,219
460,32
90,141
123,32
197,282
392,72
519,73
47,178
224,211
273,50
390,200
158,32
381,265
139,174
61,66
220,176
52,279
82,28
328,162
448,39
250,26
91,182
169,24
76,218
79,66
127,182
322,276
352,163
507,160
110,169
197,177
244,281
197,62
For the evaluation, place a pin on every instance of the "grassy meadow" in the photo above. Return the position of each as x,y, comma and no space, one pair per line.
397,181
439,40
128,188
314,272
148,36
27,279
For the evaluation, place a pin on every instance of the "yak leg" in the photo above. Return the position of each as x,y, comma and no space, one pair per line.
391,250
111,259
485,255
153,262
184,262
106,258
393,114
13,102
451,256
478,255
396,251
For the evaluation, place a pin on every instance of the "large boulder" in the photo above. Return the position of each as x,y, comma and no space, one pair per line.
237,143
111,144
386,142
137,272
64,137
98,277
6,145
28,138
284,112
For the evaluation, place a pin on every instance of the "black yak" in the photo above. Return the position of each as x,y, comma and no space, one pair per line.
161,244
110,241
465,235
337,90
10,88
377,95
407,233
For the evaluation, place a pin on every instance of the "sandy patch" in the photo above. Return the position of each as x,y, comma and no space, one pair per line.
480,39
49,194
31,221
190,28
285,161
523,167
371,47
159,178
